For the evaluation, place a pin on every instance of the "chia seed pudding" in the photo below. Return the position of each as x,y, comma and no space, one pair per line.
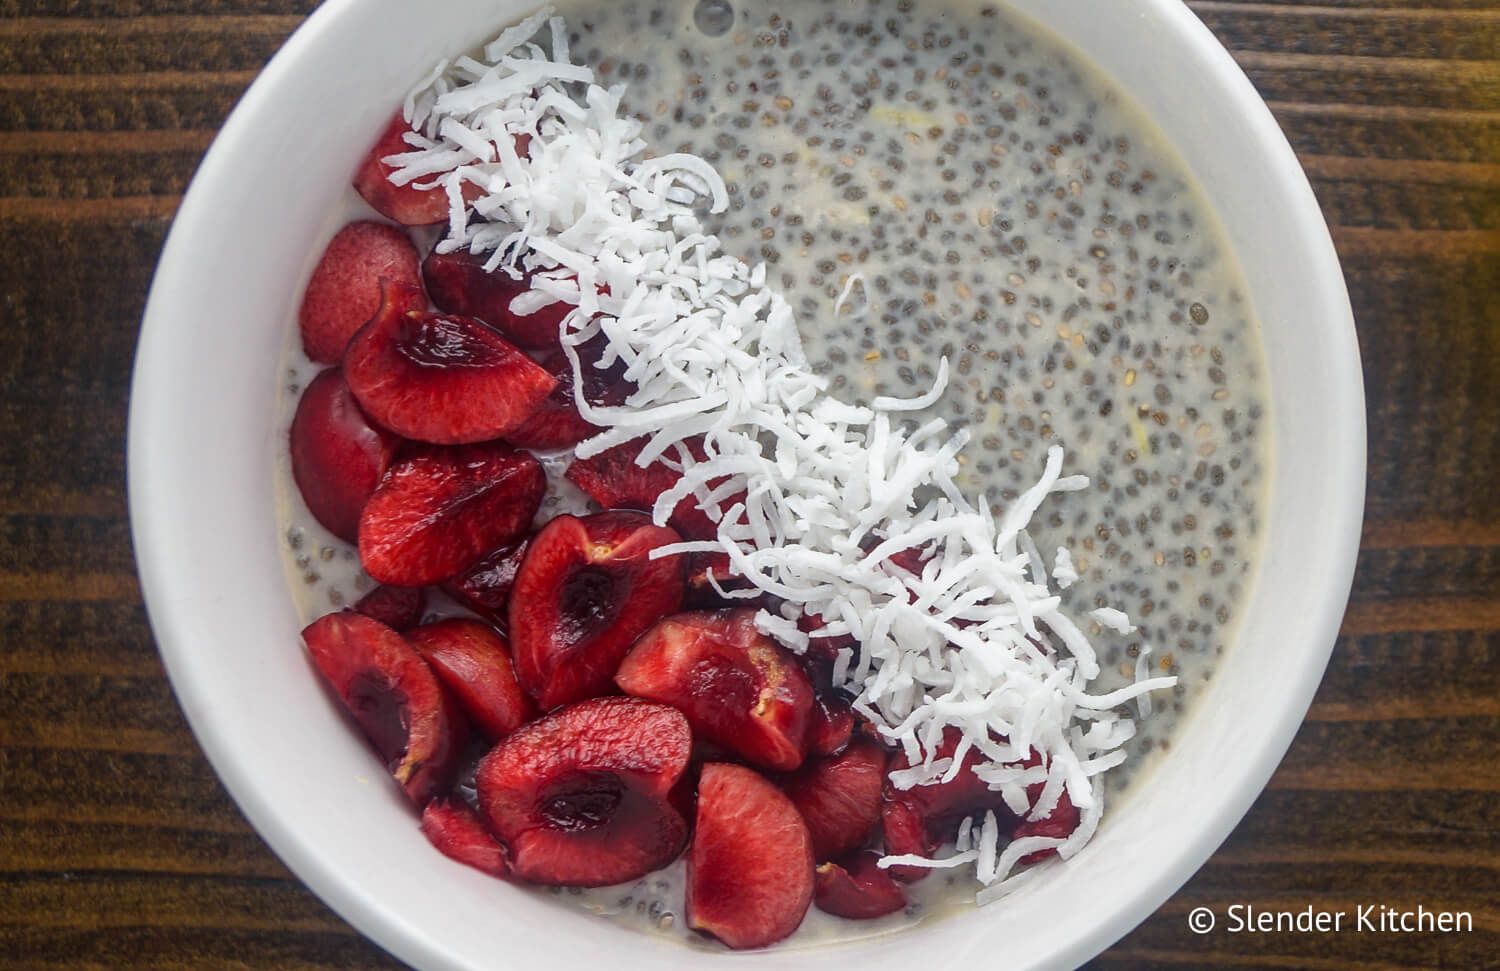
949,179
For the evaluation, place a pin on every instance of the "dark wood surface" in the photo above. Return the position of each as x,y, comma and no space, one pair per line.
118,846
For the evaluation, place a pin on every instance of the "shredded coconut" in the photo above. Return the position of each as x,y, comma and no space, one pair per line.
1115,620
855,279
1063,570
811,495
1142,669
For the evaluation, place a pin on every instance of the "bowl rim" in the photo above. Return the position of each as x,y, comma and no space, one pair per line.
392,930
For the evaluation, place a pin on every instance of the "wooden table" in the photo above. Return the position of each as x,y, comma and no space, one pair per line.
119,848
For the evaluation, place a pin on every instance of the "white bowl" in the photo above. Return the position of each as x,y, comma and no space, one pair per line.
202,448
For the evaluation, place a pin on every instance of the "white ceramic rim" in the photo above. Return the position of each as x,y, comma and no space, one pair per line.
156,500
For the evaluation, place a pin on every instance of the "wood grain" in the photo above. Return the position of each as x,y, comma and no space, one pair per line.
118,845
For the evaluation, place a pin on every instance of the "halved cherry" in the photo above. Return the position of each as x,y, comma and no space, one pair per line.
750,869
582,797
966,793
460,284
394,697
737,687
839,797
905,832
338,455
458,833
919,819
556,423
910,559
831,726
344,290
440,378
823,648
473,661
396,607
586,590
702,593
406,204
857,888
485,587
1058,824
439,509
614,480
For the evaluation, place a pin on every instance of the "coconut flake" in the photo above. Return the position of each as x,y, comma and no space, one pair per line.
855,279
927,400
1142,672
1116,620
1063,570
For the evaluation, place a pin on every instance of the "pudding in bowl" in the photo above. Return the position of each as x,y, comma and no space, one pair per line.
1207,289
